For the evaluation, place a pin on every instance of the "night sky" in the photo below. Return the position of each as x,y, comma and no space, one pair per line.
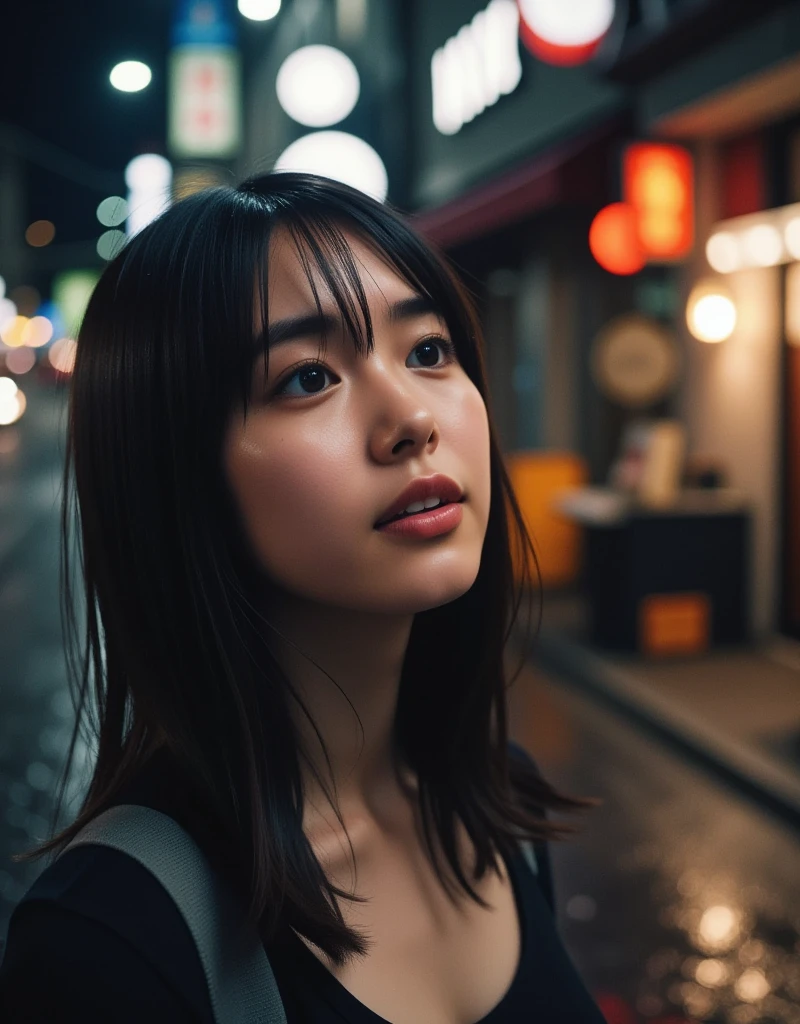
56,59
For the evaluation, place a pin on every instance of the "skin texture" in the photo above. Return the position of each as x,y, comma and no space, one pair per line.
312,471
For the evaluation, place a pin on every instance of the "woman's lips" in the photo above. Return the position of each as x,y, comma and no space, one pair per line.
425,524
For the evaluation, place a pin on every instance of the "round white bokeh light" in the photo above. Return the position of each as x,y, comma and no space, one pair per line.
340,156
577,23
763,245
710,312
148,171
149,180
130,76
317,86
722,252
259,10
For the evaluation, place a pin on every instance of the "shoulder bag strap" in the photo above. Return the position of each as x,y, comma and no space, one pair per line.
240,979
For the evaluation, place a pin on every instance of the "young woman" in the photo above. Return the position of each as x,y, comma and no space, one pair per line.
292,653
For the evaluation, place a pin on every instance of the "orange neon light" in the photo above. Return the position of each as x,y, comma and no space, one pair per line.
658,183
614,239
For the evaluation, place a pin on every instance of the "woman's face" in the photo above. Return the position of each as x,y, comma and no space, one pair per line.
312,469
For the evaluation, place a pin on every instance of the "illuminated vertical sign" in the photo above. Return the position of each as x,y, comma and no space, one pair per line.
204,83
658,182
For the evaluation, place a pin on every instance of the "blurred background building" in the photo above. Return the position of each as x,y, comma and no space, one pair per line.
618,182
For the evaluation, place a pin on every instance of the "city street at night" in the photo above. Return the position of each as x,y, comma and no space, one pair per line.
331,333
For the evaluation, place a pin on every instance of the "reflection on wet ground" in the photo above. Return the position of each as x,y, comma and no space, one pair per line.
680,898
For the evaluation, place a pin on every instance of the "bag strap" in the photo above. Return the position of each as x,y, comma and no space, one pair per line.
240,981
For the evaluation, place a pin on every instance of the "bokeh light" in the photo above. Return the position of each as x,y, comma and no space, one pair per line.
41,232
722,252
712,973
340,156
259,10
20,360
763,245
711,315
752,986
317,86
719,928
130,76
61,354
13,333
149,181
565,33
38,331
112,211
110,243
658,182
614,239
147,171
12,404
2,287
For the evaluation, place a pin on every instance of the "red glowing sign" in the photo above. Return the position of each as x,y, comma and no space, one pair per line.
658,182
564,33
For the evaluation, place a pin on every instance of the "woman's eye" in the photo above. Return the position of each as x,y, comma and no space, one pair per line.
311,373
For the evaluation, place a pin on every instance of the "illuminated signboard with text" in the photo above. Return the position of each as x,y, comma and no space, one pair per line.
476,66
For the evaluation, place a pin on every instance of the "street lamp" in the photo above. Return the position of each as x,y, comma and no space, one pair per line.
130,76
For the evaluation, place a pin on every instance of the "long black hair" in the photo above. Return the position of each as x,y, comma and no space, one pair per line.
174,645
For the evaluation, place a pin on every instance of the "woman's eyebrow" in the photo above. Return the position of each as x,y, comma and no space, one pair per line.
309,325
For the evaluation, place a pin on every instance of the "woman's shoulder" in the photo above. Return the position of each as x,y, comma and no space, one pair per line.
64,962
97,910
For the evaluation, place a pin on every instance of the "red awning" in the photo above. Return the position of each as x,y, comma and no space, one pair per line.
577,171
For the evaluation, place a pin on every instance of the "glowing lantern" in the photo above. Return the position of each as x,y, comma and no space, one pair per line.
564,33
658,182
711,311
614,239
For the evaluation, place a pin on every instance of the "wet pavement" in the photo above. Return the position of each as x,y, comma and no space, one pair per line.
678,900
680,896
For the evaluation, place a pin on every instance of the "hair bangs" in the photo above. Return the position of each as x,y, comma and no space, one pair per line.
331,269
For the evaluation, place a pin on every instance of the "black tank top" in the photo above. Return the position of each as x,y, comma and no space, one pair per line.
546,986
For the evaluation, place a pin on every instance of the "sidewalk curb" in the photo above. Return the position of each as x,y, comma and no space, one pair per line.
760,775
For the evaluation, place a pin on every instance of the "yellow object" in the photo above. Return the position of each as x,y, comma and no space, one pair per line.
538,478
674,623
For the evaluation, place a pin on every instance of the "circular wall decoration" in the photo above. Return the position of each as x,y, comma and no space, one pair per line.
635,361
564,33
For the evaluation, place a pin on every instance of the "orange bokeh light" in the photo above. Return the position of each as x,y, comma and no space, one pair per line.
658,182
41,232
614,239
